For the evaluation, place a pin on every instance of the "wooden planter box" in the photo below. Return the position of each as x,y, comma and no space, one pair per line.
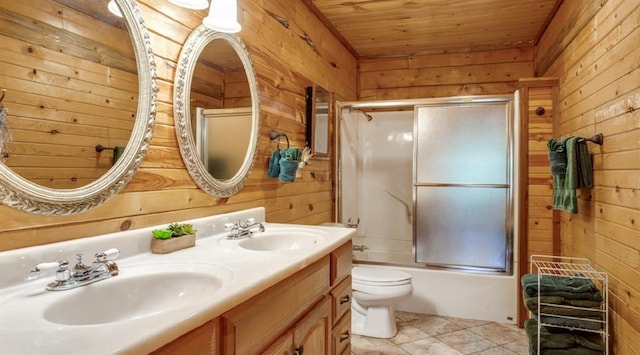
164,246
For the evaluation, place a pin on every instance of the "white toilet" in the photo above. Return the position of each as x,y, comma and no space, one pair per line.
376,291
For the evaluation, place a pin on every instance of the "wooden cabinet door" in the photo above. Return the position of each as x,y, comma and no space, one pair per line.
312,333
256,323
282,346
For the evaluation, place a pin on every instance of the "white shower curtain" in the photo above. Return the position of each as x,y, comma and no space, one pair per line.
376,177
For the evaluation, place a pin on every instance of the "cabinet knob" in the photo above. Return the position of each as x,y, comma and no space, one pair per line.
345,299
299,350
344,336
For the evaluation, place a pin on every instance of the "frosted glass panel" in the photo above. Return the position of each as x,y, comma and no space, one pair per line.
462,226
462,144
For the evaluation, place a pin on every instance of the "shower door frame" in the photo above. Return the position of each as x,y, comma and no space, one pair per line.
510,217
412,104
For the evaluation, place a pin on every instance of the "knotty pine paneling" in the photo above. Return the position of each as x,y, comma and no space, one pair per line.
162,191
537,224
441,75
598,66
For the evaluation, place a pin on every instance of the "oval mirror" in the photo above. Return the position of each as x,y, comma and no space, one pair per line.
216,108
80,102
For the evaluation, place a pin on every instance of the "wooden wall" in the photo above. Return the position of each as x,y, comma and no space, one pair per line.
537,226
69,88
537,217
598,63
441,75
162,191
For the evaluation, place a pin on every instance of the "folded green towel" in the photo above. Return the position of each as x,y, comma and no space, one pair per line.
583,323
572,308
274,164
575,288
562,341
531,302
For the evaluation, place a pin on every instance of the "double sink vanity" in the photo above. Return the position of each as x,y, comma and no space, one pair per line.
286,289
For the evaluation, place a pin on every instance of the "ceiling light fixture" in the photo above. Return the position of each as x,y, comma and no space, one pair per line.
223,16
113,8
191,4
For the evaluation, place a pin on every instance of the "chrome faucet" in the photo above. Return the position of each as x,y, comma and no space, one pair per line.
241,229
103,267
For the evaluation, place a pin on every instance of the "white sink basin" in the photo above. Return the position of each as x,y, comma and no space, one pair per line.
289,240
125,298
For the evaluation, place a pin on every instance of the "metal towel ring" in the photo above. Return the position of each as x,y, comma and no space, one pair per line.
273,135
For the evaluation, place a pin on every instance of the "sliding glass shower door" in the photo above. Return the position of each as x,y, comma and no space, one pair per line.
462,186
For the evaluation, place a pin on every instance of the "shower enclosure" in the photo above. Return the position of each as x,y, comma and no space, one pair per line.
462,185
429,186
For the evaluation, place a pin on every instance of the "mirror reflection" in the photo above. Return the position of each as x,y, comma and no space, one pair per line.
321,104
221,105
70,74
76,77
216,107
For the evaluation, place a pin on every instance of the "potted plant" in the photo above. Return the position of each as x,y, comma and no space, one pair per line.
175,237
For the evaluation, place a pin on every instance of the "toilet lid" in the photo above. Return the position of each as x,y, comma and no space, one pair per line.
379,276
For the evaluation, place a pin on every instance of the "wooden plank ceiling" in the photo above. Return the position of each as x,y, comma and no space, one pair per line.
392,28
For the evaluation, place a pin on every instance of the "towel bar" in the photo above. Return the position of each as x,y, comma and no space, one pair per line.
597,139
100,148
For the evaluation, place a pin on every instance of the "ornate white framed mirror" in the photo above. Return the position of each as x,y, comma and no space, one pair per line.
216,110
89,95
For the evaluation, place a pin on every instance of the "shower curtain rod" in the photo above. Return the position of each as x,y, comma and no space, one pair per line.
369,117
413,102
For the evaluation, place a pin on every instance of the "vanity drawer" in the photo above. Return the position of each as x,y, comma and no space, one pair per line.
341,261
341,297
342,335
271,312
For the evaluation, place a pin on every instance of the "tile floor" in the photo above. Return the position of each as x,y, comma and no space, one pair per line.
421,334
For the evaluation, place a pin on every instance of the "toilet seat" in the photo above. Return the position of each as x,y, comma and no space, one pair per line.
379,277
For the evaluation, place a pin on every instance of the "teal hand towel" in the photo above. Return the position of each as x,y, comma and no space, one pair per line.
292,154
288,169
117,153
274,164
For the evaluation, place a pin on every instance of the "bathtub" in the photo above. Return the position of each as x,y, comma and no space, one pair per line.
466,295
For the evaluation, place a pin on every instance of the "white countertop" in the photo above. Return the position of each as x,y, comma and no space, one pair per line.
244,273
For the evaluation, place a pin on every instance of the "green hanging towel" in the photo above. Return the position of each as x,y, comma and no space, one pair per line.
578,174
117,153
